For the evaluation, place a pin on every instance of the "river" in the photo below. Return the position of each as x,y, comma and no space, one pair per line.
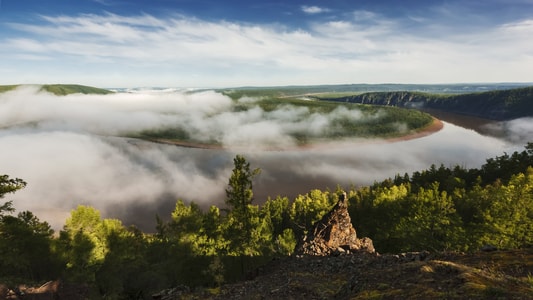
134,180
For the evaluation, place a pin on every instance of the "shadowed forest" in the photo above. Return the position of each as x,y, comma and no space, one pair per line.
438,209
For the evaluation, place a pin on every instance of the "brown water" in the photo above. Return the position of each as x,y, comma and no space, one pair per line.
480,125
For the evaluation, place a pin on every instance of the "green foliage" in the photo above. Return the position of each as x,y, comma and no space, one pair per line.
286,242
26,248
126,272
6,88
310,208
429,221
25,241
450,208
8,185
241,213
508,217
84,242
66,89
63,89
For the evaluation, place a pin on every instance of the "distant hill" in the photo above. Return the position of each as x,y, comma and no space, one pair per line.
5,88
495,104
351,89
63,89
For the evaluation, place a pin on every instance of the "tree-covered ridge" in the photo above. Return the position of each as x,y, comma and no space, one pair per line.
497,104
66,89
336,120
438,209
358,88
5,88
63,89
374,121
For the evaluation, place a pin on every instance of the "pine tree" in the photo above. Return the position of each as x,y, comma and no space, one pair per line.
9,185
241,216
239,198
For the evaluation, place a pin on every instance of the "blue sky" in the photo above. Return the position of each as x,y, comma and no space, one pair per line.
204,43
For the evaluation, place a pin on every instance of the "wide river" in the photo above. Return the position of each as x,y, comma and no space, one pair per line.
134,180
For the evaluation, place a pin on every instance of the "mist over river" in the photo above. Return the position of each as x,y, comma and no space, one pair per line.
134,180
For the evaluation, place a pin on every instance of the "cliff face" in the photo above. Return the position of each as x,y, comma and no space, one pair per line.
334,235
494,105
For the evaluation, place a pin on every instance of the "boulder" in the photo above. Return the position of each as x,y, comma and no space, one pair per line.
334,234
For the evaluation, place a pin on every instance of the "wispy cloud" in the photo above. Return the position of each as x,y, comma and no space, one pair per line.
362,46
314,9
104,2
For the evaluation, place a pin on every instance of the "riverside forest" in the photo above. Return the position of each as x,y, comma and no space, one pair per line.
447,210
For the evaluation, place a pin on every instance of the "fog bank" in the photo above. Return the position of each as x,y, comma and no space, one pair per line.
69,151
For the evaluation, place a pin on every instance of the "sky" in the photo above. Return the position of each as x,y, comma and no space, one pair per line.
210,43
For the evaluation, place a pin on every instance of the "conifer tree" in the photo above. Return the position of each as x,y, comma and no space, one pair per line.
9,185
239,197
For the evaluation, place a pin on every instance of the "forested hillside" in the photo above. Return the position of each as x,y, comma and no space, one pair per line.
497,104
438,209
62,89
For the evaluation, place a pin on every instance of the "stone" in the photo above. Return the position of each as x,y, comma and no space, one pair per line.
332,233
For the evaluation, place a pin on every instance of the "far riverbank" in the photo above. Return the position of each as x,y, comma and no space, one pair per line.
435,126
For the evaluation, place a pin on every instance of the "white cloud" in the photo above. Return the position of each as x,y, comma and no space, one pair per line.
363,47
313,9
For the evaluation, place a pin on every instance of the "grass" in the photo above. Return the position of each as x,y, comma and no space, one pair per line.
529,280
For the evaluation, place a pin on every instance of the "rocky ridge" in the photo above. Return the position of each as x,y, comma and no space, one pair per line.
334,234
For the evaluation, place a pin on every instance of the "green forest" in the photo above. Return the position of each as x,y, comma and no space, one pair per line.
438,209
374,121
62,89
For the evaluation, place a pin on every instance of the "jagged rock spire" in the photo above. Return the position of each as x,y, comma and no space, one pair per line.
334,234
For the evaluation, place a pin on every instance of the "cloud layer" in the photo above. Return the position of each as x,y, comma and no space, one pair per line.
113,50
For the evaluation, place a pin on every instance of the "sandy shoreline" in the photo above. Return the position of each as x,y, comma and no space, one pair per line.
435,126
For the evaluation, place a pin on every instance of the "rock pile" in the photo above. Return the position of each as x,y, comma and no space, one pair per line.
48,290
334,235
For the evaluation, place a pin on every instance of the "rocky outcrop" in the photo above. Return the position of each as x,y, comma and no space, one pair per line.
334,235
495,105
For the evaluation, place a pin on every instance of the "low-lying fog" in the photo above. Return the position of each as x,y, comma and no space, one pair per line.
69,151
